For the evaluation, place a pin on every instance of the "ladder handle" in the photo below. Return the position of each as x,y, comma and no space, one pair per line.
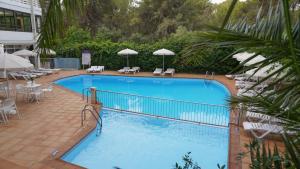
97,116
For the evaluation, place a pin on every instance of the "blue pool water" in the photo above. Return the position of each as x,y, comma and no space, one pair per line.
168,97
195,90
135,141
138,142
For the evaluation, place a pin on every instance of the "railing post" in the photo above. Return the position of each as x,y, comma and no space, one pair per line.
93,95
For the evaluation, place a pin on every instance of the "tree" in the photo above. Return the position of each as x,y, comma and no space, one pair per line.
54,12
276,37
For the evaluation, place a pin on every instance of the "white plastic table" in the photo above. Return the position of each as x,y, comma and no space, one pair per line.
30,88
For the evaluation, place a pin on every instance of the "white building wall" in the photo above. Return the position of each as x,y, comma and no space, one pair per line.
21,5
15,37
11,37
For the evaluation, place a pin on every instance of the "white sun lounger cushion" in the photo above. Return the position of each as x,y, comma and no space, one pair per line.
263,117
157,71
125,69
263,127
170,71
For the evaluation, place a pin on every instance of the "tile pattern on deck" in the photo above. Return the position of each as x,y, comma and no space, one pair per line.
52,123
43,127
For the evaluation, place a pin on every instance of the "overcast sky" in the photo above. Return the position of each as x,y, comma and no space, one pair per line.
217,1
213,1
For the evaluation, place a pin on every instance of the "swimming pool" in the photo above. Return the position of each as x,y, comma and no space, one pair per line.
193,90
194,100
137,141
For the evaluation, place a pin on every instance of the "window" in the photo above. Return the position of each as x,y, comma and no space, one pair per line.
27,23
2,19
15,21
20,21
13,48
9,20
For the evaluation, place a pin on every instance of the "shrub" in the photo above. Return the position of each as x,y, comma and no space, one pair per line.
104,52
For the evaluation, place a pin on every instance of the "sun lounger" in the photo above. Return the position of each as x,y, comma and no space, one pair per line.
52,70
46,72
31,73
157,71
241,78
252,116
97,69
170,71
124,70
134,70
245,92
244,84
22,75
37,72
16,76
92,69
229,76
100,68
260,130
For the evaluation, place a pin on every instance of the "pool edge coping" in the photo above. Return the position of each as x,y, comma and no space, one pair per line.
77,138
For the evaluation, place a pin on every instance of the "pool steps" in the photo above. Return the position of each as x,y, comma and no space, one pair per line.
92,109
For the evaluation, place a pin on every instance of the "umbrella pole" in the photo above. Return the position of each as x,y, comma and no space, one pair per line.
5,74
163,63
127,61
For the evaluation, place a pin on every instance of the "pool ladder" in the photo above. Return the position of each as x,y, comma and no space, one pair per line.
90,108
207,76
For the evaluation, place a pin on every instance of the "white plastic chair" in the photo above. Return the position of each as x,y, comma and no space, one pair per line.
35,94
8,107
47,89
21,90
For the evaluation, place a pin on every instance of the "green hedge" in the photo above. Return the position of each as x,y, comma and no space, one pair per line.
105,53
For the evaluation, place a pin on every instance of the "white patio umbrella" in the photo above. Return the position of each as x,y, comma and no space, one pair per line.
13,62
265,71
127,52
25,53
163,52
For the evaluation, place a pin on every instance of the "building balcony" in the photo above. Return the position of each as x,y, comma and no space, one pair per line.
16,38
22,6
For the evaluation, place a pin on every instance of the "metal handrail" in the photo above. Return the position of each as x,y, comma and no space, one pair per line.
212,114
85,93
163,99
93,111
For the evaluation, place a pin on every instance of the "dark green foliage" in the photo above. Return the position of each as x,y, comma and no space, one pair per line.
190,164
104,52
263,157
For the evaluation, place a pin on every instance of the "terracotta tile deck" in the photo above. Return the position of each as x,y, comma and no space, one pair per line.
55,121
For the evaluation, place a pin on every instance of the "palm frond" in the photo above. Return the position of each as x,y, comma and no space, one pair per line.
273,36
54,13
